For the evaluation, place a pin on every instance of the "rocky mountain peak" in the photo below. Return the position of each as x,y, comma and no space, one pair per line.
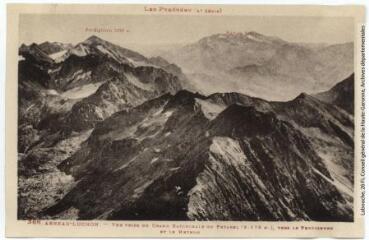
184,98
94,40
305,99
302,96
240,120
54,47
34,53
341,94
254,34
159,61
346,85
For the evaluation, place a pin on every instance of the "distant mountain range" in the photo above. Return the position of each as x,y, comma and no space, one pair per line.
107,133
263,66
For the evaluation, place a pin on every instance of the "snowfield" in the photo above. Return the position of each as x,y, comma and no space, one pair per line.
58,56
82,91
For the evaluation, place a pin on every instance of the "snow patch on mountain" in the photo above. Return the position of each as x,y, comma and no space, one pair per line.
80,50
154,160
140,63
51,92
107,52
138,191
151,125
251,37
137,82
229,148
125,165
82,91
341,187
51,71
57,57
210,110
79,75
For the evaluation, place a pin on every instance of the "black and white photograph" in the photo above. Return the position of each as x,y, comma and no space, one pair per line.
185,118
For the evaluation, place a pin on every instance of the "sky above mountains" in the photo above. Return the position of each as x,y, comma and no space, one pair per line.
170,30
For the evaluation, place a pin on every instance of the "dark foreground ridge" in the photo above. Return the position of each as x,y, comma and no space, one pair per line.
258,166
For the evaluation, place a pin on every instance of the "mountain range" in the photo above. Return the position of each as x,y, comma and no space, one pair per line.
107,133
263,66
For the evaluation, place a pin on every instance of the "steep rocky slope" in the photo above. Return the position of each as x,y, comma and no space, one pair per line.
90,85
51,48
340,95
222,157
62,98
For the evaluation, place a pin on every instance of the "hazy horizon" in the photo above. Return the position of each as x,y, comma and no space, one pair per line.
148,30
